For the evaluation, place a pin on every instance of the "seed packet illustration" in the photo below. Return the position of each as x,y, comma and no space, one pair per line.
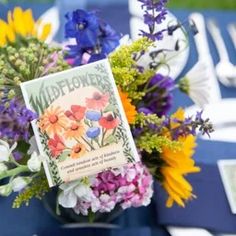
81,128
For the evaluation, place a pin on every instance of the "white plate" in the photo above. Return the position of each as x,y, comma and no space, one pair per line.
223,116
176,59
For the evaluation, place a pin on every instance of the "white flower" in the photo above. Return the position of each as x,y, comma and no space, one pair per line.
33,146
3,168
19,183
196,83
84,192
5,150
34,163
67,199
6,190
74,191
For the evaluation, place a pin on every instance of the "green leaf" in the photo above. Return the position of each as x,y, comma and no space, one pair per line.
110,107
64,155
87,122
111,139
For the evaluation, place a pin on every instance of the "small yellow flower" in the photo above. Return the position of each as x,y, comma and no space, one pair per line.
130,110
21,23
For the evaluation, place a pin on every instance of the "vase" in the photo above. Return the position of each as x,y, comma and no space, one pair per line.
68,216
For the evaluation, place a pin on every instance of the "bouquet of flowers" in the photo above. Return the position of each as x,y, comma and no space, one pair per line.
165,142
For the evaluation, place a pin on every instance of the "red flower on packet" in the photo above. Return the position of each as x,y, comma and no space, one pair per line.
109,122
98,101
77,112
56,145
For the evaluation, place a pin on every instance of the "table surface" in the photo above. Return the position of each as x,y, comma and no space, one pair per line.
34,219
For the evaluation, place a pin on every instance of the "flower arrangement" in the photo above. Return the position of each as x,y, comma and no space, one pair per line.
165,142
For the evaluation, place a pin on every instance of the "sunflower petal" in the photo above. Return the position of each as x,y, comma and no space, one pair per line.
45,31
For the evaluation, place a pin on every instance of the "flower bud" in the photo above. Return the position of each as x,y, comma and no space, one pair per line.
4,150
3,168
19,183
34,163
6,190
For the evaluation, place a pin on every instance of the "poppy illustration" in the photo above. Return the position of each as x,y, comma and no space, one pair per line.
77,112
109,122
77,151
98,101
75,130
56,145
52,121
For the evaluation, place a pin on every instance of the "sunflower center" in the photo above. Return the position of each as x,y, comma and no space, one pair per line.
97,96
74,127
109,118
77,149
53,119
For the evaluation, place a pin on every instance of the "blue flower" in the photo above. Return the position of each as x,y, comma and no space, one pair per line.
93,115
108,40
75,53
93,132
83,26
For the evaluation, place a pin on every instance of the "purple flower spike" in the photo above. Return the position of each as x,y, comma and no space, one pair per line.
15,121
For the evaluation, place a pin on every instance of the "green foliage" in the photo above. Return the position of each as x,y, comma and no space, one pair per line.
125,70
202,4
143,120
27,60
154,143
37,189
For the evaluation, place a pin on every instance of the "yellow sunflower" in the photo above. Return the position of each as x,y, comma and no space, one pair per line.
130,110
178,164
53,121
22,23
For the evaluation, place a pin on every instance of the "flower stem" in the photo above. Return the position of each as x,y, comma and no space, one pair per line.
15,171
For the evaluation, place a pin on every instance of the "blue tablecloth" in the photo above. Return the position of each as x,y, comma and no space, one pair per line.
209,210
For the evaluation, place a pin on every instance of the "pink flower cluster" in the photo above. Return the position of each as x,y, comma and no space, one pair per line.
128,186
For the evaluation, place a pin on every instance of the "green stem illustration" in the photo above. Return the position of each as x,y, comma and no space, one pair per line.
86,141
103,136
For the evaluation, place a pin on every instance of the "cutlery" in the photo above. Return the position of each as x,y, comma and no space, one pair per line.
204,55
232,32
225,70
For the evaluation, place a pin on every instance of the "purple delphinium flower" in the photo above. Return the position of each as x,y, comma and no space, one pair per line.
159,100
15,121
83,26
94,37
155,13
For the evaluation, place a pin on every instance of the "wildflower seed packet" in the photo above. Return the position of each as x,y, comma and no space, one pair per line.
227,170
81,128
